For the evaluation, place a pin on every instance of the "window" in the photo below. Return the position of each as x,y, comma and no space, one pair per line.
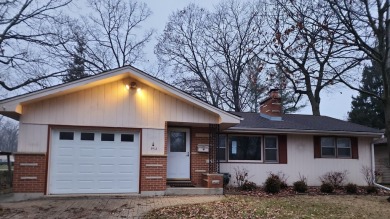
177,141
271,149
221,154
245,148
335,147
66,135
87,136
107,137
127,137
343,147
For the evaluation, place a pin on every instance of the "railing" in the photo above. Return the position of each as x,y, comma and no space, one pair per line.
213,148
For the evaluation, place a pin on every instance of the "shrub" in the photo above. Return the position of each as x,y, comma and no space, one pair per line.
300,186
272,184
371,189
334,178
327,188
249,186
241,176
351,188
368,175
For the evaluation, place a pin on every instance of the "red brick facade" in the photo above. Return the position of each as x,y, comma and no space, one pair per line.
212,180
199,160
153,173
29,173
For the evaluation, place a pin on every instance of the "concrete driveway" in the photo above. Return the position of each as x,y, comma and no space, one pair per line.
95,207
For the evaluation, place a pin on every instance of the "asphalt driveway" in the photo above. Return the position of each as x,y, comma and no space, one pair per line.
95,207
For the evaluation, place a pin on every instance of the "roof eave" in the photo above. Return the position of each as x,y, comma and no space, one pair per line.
297,131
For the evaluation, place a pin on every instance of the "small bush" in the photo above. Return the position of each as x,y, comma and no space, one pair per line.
249,186
327,188
371,189
272,184
283,185
300,186
241,176
351,188
334,178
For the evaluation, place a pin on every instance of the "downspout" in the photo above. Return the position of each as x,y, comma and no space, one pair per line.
373,170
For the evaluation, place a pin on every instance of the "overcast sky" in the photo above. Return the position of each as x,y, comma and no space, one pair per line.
335,103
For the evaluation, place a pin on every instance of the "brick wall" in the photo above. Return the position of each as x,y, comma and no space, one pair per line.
198,160
153,173
29,173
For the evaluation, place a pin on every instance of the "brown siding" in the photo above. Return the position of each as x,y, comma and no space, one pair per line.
282,139
317,146
29,165
354,148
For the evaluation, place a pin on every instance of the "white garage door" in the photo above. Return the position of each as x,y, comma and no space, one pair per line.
93,162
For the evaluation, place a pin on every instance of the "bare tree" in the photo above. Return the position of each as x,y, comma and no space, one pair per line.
8,135
304,47
111,33
23,36
210,51
366,28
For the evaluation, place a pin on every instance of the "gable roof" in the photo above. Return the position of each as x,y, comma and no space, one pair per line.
11,107
294,123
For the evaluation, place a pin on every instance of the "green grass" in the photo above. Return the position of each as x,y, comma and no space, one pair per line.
282,207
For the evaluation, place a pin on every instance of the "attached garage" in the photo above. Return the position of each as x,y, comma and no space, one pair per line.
86,162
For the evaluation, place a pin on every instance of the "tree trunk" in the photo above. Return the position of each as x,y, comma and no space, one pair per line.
315,104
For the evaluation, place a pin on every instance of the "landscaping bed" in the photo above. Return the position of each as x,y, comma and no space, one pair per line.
278,206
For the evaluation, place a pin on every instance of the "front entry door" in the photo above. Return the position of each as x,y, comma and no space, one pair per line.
178,166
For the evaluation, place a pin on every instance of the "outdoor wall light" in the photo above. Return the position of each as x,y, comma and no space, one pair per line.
131,85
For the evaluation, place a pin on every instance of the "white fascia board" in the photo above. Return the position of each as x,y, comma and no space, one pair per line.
303,132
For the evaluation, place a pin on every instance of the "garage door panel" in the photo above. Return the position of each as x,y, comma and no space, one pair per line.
93,166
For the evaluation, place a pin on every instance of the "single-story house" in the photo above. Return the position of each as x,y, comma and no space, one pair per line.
382,165
124,131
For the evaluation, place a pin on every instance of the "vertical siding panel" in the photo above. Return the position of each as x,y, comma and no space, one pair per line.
94,112
87,109
157,104
120,115
100,105
162,105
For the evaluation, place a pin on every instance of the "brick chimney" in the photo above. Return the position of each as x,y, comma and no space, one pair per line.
272,107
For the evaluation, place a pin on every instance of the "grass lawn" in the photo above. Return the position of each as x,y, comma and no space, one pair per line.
300,206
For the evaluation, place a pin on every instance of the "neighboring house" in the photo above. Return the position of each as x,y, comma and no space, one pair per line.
124,131
382,165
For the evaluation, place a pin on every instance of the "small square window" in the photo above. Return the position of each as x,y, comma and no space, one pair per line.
66,135
87,136
107,137
271,149
127,137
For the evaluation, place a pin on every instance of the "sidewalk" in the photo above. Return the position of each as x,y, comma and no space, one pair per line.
96,207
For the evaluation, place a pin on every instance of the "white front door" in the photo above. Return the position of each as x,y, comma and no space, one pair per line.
178,166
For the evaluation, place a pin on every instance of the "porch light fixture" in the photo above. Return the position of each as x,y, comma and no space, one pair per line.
131,85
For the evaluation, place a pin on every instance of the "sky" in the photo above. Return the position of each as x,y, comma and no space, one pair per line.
335,102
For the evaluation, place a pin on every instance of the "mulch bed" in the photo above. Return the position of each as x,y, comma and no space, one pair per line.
289,191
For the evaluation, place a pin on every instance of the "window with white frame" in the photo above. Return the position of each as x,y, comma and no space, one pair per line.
270,149
335,147
221,153
243,147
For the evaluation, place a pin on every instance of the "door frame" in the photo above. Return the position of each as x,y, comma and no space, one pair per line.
188,145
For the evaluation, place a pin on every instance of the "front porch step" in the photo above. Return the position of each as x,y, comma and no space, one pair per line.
180,183
194,191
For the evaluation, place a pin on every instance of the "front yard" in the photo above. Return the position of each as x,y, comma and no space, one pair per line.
298,206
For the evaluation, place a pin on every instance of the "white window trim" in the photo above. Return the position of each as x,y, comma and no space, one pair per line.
277,148
245,161
335,146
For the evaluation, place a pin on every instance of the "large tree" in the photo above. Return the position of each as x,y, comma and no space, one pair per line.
111,32
366,109
303,47
76,67
210,51
24,33
366,29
